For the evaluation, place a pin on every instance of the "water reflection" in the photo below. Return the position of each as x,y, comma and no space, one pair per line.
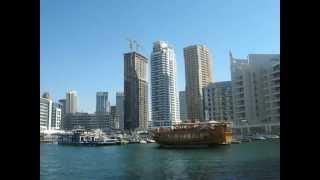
147,161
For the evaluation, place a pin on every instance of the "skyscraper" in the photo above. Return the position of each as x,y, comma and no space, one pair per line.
71,102
120,108
102,102
165,101
198,75
256,89
135,91
183,106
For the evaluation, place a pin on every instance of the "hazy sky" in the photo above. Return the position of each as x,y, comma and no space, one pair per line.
83,41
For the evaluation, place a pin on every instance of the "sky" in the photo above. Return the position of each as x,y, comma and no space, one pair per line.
82,42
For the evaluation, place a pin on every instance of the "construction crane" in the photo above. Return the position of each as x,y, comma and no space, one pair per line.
139,47
134,45
130,43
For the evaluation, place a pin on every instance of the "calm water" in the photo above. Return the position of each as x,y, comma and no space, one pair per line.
146,161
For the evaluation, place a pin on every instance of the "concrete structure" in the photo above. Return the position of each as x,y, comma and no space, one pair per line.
135,91
87,121
63,110
102,102
63,105
165,101
272,86
101,121
183,106
256,89
56,116
50,114
45,113
198,75
71,102
114,117
218,101
120,108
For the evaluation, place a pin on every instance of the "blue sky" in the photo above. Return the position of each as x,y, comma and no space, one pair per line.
83,41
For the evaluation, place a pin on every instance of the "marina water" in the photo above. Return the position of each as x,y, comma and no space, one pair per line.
256,160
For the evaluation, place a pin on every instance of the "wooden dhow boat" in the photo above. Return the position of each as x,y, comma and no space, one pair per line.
198,134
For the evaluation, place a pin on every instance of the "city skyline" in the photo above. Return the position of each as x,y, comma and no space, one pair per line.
90,52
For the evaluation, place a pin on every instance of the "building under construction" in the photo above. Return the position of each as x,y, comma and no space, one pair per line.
135,91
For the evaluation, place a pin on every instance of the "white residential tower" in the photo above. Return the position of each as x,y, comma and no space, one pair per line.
165,99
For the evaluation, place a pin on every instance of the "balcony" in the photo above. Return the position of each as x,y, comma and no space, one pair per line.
275,88
276,71
275,100
275,85
275,78
239,83
240,110
266,95
274,109
237,79
240,102
275,92
238,93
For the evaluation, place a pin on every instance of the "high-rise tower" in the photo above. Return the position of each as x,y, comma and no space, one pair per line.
135,91
71,102
165,100
102,103
198,75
